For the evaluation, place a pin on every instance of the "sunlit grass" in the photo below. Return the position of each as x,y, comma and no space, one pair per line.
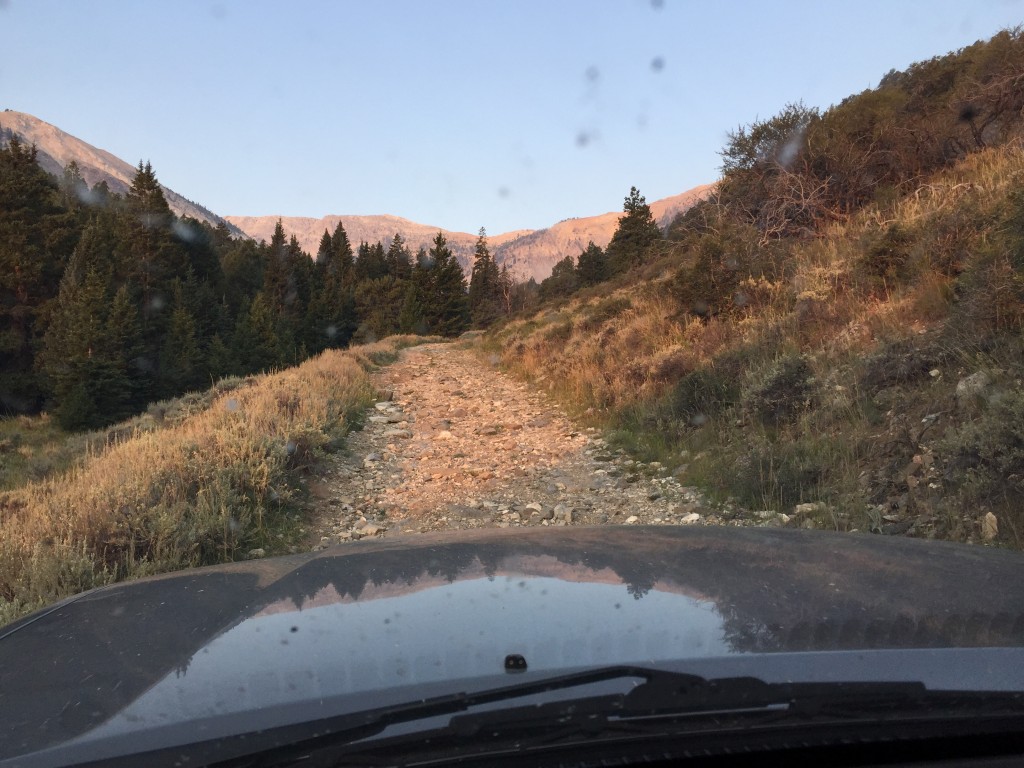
209,480
646,370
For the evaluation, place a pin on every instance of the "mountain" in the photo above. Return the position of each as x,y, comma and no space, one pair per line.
533,254
55,149
528,253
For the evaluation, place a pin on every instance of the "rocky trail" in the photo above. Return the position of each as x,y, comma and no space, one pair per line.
454,443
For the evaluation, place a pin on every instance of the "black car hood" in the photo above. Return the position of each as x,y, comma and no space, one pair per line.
420,611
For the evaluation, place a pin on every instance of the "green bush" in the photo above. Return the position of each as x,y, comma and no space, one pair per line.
780,392
984,459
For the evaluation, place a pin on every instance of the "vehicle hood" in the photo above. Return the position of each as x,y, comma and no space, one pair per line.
426,610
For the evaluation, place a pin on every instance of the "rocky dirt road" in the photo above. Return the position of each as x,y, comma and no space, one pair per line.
455,443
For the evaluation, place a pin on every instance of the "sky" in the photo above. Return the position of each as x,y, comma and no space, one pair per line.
459,114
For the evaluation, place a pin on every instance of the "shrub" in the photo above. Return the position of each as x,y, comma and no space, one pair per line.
984,458
781,392
885,260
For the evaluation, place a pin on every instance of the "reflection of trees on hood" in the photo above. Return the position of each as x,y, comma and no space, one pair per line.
774,591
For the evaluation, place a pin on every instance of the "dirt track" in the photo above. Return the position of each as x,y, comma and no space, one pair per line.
455,443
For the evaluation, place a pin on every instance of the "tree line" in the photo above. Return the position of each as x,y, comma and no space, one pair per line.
110,302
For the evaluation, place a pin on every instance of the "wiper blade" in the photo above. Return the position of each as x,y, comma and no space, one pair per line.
660,696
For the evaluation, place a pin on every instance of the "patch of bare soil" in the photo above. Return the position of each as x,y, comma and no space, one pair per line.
454,443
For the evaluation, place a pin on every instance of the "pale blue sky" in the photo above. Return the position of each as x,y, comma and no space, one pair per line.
456,113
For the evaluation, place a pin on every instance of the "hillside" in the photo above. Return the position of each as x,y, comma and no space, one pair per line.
56,149
834,337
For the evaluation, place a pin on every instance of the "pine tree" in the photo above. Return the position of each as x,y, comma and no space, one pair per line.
73,356
636,233
370,263
398,259
325,253
484,286
123,349
412,318
447,308
151,255
563,280
277,280
592,267
180,364
36,233
342,249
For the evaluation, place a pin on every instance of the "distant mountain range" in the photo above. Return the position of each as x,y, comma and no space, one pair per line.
528,253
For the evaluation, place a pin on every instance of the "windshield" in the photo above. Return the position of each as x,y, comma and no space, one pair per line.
699,327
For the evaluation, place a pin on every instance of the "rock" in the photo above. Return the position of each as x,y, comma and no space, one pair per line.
371,529
378,419
972,386
810,508
402,433
372,457
535,506
253,554
654,496
396,418
632,519
689,519
989,527
935,373
444,434
547,514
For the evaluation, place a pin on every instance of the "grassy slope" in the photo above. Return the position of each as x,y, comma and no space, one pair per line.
837,381
204,479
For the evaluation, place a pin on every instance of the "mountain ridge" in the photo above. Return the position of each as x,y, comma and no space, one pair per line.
55,148
527,253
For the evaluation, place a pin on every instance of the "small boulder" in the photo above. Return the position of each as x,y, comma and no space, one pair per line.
972,386
989,527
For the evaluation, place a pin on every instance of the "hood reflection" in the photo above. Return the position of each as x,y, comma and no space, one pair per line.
431,630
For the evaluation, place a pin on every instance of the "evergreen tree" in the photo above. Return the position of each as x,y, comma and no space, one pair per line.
398,259
636,233
124,348
74,358
592,268
180,363
255,339
412,317
325,253
562,282
370,263
152,257
278,284
484,286
342,250
36,234
243,265
447,307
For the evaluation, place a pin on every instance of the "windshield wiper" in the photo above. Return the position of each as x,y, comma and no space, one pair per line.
661,699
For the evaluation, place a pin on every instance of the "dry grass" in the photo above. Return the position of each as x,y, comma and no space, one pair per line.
207,487
931,268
